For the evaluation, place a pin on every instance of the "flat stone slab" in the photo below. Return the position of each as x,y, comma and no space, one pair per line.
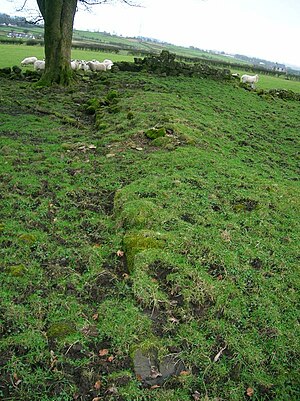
151,371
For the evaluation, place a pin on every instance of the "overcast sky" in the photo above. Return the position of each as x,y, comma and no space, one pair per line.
268,29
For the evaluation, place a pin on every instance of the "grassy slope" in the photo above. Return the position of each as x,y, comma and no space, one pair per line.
223,197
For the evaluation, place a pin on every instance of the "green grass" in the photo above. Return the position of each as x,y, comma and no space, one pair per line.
267,82
206,216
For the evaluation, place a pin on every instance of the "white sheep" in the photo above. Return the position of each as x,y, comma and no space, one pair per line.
74,65
39,65
250,79
83,66
28,60
108,64
96,66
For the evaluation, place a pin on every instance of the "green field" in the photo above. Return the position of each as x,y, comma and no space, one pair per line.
147,219
14,54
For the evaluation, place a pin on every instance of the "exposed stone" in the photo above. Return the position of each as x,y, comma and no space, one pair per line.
152,371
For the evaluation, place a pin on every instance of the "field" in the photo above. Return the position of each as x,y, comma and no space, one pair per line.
149,241
14,54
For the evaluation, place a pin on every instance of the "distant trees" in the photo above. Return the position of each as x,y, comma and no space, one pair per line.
18,21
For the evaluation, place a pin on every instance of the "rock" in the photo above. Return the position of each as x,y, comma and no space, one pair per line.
151,371
17,70
5,71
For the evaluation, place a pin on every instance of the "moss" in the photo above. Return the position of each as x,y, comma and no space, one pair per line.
162,141
92,105
112,95
139,214
136,242
16,270
154,133
27,238
60,329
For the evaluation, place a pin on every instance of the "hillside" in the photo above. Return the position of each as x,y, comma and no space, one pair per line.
149,239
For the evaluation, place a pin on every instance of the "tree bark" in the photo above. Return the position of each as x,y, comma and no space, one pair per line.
58,18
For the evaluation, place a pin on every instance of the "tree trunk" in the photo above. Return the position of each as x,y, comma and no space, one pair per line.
58,18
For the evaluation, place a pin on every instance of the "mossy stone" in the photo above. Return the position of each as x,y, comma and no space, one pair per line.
154,133
136,242
60,329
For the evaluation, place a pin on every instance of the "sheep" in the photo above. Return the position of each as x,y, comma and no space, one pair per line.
96,66
74,65
83,66
39,65
251,79
108,64
28,60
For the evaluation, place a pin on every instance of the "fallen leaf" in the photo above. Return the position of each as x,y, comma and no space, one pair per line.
92,147
103,352
249,392
154,387
98,384
184,373
110,358
139,378
173,320
217,357
95,316
120,253
96,399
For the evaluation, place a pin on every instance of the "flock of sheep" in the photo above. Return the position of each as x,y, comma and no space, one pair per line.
76,65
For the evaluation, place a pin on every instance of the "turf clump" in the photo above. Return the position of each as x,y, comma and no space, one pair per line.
139,241
154,133
139,213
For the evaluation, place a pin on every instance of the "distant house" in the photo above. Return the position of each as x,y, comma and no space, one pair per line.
20,35
279,68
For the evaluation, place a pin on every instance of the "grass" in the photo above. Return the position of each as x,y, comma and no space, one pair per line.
268,82
206,217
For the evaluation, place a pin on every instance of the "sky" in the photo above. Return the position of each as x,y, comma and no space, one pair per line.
267,29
